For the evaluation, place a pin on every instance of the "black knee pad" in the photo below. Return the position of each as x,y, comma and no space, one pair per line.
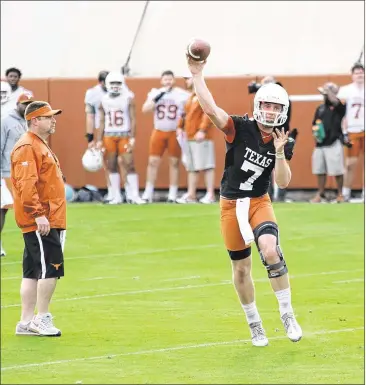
240,254
266,228
271,228
279,266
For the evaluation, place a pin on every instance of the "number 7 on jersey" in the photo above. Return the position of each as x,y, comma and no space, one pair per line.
248,166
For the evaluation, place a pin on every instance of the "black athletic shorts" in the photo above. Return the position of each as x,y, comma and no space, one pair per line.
43,255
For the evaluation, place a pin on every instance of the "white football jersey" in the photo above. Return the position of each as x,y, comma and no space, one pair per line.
14,96
169,108
355,107
116,109
93,97
6,108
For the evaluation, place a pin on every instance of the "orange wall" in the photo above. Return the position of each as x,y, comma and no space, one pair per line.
230,93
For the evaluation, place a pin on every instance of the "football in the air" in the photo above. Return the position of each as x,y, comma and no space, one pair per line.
198,49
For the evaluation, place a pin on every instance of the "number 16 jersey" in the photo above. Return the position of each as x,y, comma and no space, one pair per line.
248,162
117,114
169,108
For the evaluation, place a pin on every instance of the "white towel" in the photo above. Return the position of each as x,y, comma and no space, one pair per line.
183,143
242,214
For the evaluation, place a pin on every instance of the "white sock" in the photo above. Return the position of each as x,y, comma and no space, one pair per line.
127,191
284,301
133,185
149,190
251,312
110,191
115,184
346,192
173,191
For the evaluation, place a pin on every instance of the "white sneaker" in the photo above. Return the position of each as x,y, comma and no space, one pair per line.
116,201
22,329
43,325
292,328
3,253
357,200
258,334
146,198
137,201
184,199
207,200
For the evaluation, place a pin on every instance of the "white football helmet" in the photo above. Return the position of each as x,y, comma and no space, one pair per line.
5,92
271,93
114,83
92,160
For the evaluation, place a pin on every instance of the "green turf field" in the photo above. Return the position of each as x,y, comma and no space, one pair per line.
147,299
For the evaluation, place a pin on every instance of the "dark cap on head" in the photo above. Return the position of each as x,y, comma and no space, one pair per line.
102,75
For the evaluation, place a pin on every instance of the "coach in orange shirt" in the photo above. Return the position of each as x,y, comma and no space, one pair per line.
40,212
200,152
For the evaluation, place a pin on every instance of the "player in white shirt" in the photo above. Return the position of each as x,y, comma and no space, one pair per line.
354,124
117,137
93,98
167,103
5,97
13,76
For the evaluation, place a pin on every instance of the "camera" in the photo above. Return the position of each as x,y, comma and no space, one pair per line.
253,87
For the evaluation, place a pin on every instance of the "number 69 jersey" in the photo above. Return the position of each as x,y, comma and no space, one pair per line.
116,109
169,108
248,162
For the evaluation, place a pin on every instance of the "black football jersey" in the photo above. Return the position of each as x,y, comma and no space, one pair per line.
248,162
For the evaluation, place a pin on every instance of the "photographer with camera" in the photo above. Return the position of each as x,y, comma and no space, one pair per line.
274,191
327,131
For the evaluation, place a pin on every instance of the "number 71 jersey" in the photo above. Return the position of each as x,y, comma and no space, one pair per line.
248,162
169,108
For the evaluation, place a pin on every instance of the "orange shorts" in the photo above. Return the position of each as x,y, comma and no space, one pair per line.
115,144
161,140
260,211
358,144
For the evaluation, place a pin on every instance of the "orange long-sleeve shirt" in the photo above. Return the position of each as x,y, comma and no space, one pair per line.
195,119
37,184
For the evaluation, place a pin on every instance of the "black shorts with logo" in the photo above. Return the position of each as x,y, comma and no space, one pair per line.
43,255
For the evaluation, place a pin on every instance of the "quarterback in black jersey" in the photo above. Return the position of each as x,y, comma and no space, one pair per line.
254,148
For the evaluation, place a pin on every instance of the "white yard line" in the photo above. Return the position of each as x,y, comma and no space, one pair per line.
126,220
10,278
97,278
135,252
122,293
180,279
162,289
170,349
350,280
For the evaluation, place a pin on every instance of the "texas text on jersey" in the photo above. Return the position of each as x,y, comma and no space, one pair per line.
248,162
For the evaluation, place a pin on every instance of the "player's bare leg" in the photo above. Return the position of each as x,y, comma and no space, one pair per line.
173,178
114,177
109,196
279,279
2,223
209,176
351,164
244,286
28,294
42,323
320,196
127,167
152,172
190,195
